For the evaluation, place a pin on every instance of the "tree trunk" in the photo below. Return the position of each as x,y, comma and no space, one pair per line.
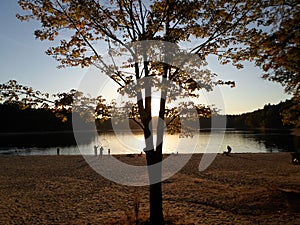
156,210
155,174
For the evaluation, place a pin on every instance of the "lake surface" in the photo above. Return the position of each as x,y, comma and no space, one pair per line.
127,143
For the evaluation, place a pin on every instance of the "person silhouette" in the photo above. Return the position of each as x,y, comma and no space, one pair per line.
228,150
101,151
95,149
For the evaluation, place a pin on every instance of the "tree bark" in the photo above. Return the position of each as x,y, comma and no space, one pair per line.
155,174
156,209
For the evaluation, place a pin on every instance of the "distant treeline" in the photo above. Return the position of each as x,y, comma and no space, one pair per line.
37,127
14,119
277,116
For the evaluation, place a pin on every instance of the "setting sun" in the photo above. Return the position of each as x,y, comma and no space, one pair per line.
155,106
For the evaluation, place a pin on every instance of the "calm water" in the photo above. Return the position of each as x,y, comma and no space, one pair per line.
125,143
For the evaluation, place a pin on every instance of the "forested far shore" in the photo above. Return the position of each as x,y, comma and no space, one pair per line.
15,119
285,115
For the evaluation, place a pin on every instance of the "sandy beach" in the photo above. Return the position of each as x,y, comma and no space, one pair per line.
236,189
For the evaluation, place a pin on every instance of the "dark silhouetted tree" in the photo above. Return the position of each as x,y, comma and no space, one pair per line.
221,28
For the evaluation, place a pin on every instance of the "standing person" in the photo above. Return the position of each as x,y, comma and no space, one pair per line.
95,149
57,151
101,151
109,151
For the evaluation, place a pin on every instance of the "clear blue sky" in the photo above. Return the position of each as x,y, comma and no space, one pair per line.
23,59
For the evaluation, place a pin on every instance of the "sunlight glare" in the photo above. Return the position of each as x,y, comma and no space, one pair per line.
155,106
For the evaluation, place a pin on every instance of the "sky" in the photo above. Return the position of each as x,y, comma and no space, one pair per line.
23,58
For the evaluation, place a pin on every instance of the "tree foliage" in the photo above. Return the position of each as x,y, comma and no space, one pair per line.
216,27
278,51
23,96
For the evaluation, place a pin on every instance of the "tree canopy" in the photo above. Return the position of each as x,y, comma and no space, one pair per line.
217,27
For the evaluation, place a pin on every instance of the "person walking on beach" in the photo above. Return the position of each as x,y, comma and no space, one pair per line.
101,151
95,149
108,151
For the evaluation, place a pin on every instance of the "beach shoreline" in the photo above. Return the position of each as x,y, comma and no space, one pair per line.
243,188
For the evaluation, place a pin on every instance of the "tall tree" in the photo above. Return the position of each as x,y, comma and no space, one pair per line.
218,27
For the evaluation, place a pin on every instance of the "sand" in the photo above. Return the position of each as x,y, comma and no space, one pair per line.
236,189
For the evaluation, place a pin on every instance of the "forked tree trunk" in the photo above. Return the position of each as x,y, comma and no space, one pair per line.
155,173
155,157
154,154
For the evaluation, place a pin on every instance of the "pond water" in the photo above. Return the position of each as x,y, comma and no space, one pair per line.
127,143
